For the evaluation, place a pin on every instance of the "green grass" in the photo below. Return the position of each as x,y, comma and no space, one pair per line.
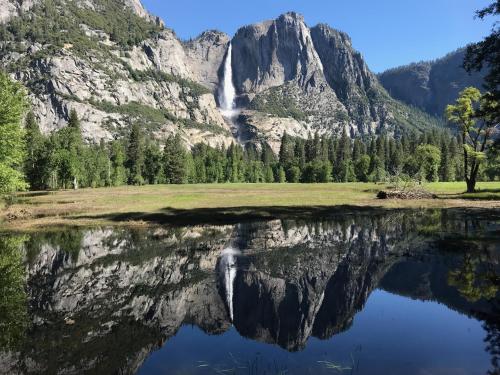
218,202
484,190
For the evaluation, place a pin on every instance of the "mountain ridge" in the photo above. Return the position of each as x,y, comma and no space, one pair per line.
431,85
114,76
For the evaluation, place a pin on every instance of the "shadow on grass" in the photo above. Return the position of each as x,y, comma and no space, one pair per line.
483,195
234,215
33,194
488,190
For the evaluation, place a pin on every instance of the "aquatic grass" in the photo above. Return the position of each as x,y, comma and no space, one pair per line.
255,366
333,366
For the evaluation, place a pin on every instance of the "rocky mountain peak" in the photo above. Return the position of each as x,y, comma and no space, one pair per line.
214,36
271,53
292,17
288,77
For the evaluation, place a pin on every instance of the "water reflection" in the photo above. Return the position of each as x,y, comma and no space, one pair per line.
102,300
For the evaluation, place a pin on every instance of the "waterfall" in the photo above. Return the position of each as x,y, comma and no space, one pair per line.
227,92
228,267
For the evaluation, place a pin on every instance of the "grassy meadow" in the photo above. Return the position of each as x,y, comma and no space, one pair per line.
184,203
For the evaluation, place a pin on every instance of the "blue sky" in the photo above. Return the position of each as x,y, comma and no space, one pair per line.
388,33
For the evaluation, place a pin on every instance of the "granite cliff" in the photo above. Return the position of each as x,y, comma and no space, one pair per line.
116,64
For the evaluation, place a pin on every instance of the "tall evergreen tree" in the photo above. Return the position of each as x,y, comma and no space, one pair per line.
118,158
445,167
135,156
175,160
153,173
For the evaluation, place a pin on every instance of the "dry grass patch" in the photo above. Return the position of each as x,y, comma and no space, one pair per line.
130,205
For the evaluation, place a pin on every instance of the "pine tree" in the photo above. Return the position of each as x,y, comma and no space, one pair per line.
343,162
300,153
281,175
153,173
175,160
234,166
286,154
445,167
135,156
118,171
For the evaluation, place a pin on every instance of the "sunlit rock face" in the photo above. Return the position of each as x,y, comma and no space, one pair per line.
290,279
205,55
288,77
271,53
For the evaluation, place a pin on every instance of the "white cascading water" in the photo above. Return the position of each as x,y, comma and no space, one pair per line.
227,92
228,267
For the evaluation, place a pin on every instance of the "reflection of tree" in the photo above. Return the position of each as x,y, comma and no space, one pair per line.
492,339
13,299
69,241
472,282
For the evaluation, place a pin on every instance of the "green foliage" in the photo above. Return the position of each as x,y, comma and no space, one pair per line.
123,26
175,161
275,102
135,156
14,301
62,157
409,119
151,117
57,22
195,89
35,147
69,153
472,282
474,115
362,168
153,168
428,158
492,169
486,53
117,156
12,146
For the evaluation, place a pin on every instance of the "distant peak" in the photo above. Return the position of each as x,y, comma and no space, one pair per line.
292,16
211,36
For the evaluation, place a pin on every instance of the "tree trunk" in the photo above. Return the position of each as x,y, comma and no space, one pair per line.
471,185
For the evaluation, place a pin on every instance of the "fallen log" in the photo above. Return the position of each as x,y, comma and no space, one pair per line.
405,194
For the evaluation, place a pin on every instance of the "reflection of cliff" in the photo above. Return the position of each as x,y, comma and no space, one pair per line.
102,300
316,284
105,307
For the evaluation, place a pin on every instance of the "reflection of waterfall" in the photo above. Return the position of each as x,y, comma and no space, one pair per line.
228,270
227,94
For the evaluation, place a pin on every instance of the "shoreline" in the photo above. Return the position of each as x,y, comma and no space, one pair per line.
181,205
